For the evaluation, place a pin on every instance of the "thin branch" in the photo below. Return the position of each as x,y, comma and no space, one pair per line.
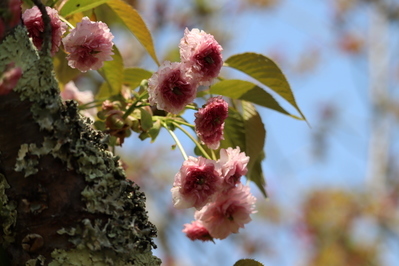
47,27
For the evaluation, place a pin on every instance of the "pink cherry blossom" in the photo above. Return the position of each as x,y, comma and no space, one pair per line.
88,45
170,88
228,213
201,54
234,165
209,122
34,23
196,183
197,231
9,79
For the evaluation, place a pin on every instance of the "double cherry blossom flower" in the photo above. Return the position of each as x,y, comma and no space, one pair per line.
214,189
34,23
209,122
88,45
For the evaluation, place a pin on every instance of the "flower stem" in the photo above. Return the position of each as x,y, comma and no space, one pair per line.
213,155
192,107
193,139
67,22
184,123
176,140
134,105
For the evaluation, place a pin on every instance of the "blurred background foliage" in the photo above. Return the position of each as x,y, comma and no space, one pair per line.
324,223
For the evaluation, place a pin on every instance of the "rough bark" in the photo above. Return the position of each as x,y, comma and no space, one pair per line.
64,198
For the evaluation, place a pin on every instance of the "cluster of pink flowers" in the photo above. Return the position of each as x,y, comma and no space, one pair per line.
175,85
223,204
88,45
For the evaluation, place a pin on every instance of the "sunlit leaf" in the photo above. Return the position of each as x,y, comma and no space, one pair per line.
154,131
266,72
132,19
248,262
234,131
202,93
112,72
103,92
245,90
63,72
145,120
255,135
256,174
134,75
76,6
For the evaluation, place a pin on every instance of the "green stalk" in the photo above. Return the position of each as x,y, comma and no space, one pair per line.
193,139
176,140
67,22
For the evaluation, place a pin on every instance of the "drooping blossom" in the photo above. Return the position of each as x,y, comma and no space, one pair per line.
170,88
9,79
197,231
209,122
34,23
71,92
233,164
196,183
201,54
88,45
228,213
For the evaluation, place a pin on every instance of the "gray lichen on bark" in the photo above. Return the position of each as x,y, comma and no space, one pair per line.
59,182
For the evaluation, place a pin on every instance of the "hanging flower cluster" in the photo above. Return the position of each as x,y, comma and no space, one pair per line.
174,85
88,45
213,187
223,204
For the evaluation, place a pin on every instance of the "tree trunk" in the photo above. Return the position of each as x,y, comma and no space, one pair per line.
64,198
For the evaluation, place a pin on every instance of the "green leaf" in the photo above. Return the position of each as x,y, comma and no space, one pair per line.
112,72
245,90
63,72
132,19
154,131
76,6
234,131
145,120
103,92
266,72
255,135
202,93
134,76
248,262
256,175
